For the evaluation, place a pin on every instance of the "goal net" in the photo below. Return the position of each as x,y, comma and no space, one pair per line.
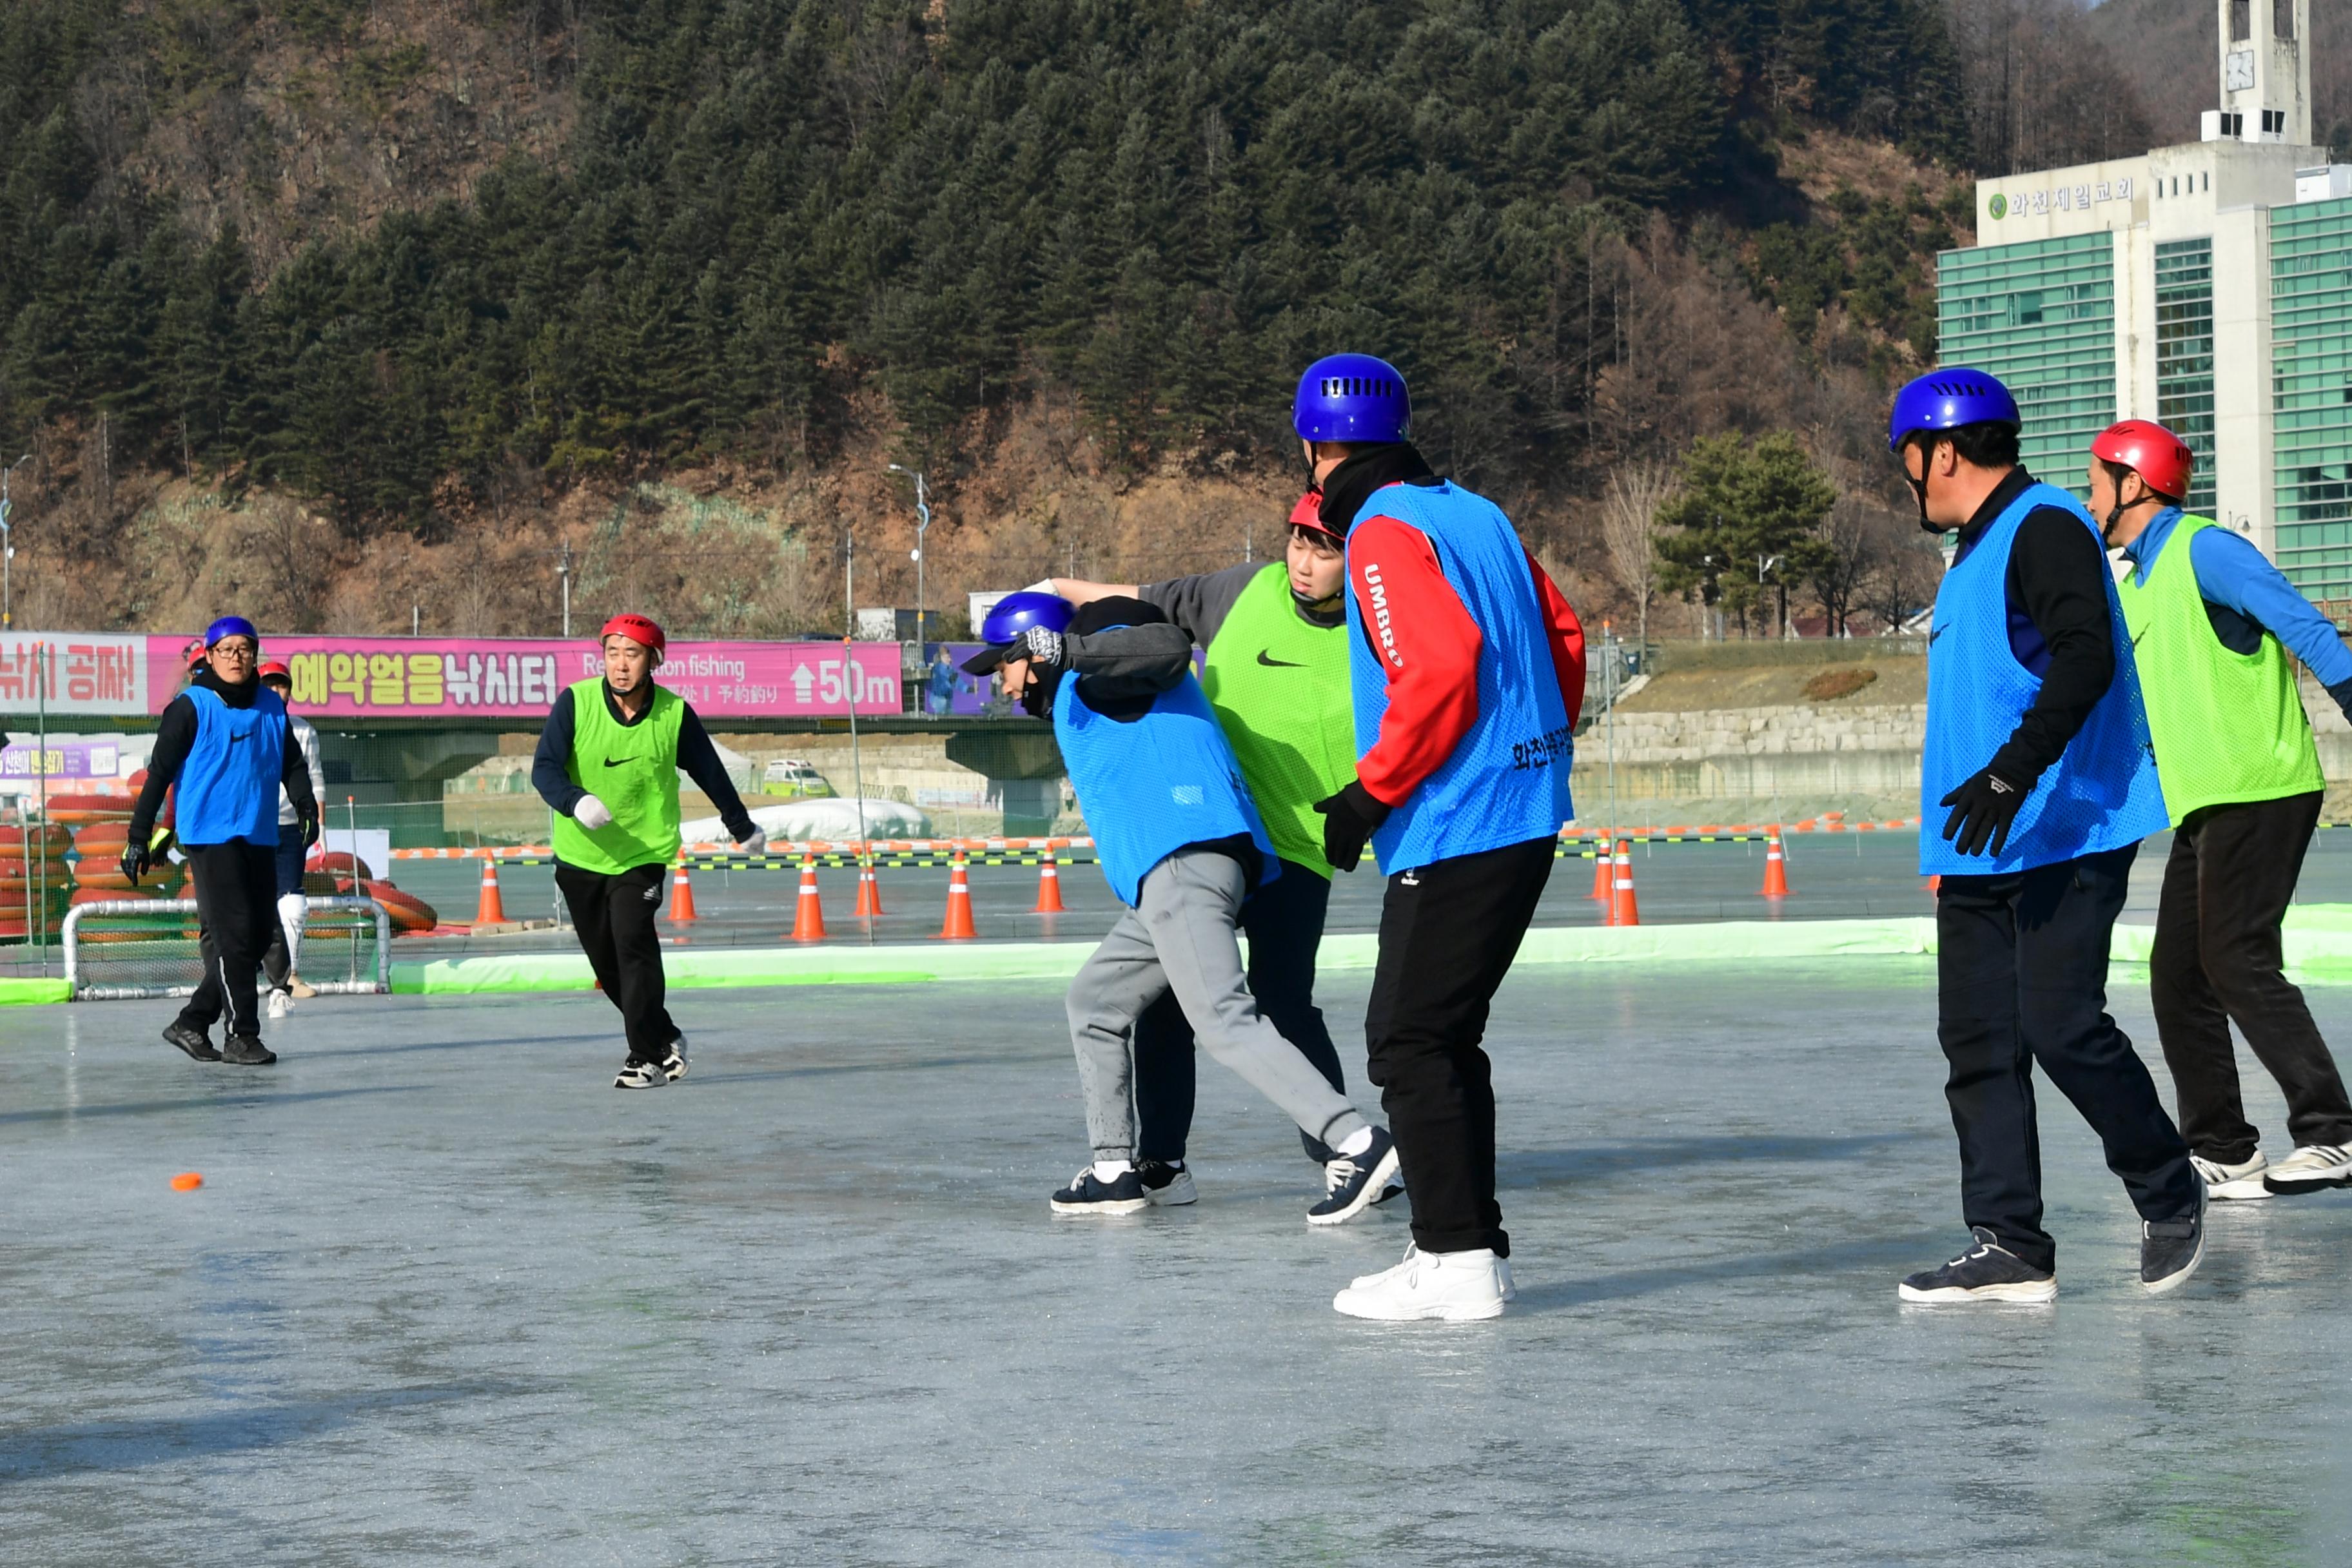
141,948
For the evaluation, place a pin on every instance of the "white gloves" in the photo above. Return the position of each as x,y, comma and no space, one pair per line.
755,845
592,813
1042,585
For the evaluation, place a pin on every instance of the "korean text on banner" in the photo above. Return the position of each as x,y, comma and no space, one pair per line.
85,672
503,677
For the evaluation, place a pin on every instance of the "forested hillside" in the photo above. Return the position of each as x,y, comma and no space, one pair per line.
347,306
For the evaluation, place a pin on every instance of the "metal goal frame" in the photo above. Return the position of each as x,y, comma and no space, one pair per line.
71,931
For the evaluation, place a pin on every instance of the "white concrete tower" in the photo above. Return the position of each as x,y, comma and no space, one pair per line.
2265,72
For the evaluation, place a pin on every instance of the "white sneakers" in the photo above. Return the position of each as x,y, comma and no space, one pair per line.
1452,1287
2233,1183
280,1003
2311,1167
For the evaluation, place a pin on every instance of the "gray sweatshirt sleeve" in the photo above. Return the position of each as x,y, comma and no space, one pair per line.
1200,603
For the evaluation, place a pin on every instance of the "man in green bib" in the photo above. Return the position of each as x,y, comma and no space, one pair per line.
1277,639
2211,624
608,765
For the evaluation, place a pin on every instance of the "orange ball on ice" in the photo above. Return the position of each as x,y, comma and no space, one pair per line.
186,1182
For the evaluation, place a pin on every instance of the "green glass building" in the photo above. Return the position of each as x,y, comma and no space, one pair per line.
2311,389
2041,316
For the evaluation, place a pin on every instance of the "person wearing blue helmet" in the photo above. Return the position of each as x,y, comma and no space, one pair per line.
2037,785
1466,666
228,745
1183,848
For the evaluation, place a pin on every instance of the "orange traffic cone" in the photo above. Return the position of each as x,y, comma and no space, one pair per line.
681,892
1776,870
1624,910
870,891
808,915
1934,887
1049,884
958,925
1603,888
492,909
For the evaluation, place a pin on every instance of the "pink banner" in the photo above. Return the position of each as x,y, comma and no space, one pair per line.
456,678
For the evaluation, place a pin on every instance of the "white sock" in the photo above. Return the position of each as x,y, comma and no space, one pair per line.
1355,1143
1108,1171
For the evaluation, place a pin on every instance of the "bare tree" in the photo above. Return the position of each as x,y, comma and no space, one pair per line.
1629,530
1905,568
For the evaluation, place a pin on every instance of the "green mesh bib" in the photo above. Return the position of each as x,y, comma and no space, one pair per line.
1279,687
2228,727
632,769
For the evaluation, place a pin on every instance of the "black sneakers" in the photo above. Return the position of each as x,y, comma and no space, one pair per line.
195,1042
1353,1182
1088,1195
1166,1185
1986,1272
2170,1249
246,1051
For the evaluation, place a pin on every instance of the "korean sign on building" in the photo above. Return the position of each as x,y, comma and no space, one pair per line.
455,678
72,673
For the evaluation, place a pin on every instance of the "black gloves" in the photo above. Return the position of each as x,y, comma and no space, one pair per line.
1041,647
305,828
135,861
1982,809
1349,818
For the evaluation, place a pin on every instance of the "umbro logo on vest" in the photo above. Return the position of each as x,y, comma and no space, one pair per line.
1265,657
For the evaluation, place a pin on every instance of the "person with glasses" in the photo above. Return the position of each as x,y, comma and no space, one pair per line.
227,746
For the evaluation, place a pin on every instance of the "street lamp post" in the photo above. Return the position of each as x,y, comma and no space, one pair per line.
8,547
922,527
563,576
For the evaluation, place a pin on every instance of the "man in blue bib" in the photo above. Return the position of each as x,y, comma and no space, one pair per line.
1183,845
2038,783
226,743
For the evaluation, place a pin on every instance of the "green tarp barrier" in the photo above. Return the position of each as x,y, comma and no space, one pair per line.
31,992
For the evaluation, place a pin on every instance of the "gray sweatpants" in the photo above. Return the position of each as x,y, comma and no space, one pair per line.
1181,937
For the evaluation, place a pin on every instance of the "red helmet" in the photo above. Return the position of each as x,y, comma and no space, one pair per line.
636,628
1309,513
194,654
275,670
2155,453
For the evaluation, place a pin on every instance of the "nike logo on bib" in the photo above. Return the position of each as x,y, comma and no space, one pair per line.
619,762
232,740
1266,657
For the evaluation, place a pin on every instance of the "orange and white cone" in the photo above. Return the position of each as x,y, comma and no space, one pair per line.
1624,910
870,891
1776,870
808,914
681,892
1603,887
1049,884
958,925
492,909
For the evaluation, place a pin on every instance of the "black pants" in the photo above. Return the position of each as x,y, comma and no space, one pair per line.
2021,974
614,916
1449,931
2217,960
237,907
1284,923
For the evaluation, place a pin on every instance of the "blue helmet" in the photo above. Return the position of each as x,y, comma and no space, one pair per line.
1947,399
1014,614
231,626
1351,397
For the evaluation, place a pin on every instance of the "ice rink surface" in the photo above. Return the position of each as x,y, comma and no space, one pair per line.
447,1296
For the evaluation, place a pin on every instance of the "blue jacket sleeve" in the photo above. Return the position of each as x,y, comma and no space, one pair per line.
2233,574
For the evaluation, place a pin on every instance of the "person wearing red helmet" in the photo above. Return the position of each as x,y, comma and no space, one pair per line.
1276,637
608,765
2213,623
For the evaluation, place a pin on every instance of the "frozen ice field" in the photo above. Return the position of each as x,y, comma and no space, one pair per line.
445,1296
